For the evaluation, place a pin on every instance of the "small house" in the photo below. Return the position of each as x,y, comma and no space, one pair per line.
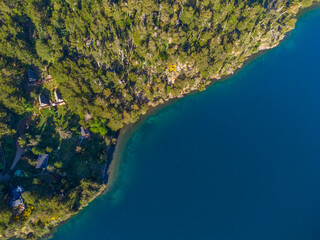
16,200
43,100
42,161
32,76
58,97
84,132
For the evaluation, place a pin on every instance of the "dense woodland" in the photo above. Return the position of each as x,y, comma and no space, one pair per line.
111,61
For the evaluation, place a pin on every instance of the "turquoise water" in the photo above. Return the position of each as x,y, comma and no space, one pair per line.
239,161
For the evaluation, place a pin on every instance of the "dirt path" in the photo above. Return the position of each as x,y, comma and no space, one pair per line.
20,151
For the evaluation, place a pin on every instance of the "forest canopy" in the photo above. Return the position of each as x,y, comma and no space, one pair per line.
113,59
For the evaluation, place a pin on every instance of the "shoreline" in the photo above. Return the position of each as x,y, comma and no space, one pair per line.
128,130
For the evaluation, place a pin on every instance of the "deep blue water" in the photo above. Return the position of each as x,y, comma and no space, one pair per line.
239,161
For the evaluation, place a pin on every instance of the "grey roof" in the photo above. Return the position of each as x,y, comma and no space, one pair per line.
43,100
32,74
58,96
16,203
42,161
84,132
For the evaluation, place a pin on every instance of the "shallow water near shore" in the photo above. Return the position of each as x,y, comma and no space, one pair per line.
239,161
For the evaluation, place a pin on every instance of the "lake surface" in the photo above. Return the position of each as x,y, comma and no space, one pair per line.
239,161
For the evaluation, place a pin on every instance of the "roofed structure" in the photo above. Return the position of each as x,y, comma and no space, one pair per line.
16,203
58,97
42,161
16,192
16,199
32,76
84,132
43,100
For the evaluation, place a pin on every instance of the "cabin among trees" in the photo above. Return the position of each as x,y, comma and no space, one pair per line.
58,98
85,133
32,76
43,101
42,162
16,200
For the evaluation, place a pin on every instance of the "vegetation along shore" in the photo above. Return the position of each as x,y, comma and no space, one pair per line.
74,73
